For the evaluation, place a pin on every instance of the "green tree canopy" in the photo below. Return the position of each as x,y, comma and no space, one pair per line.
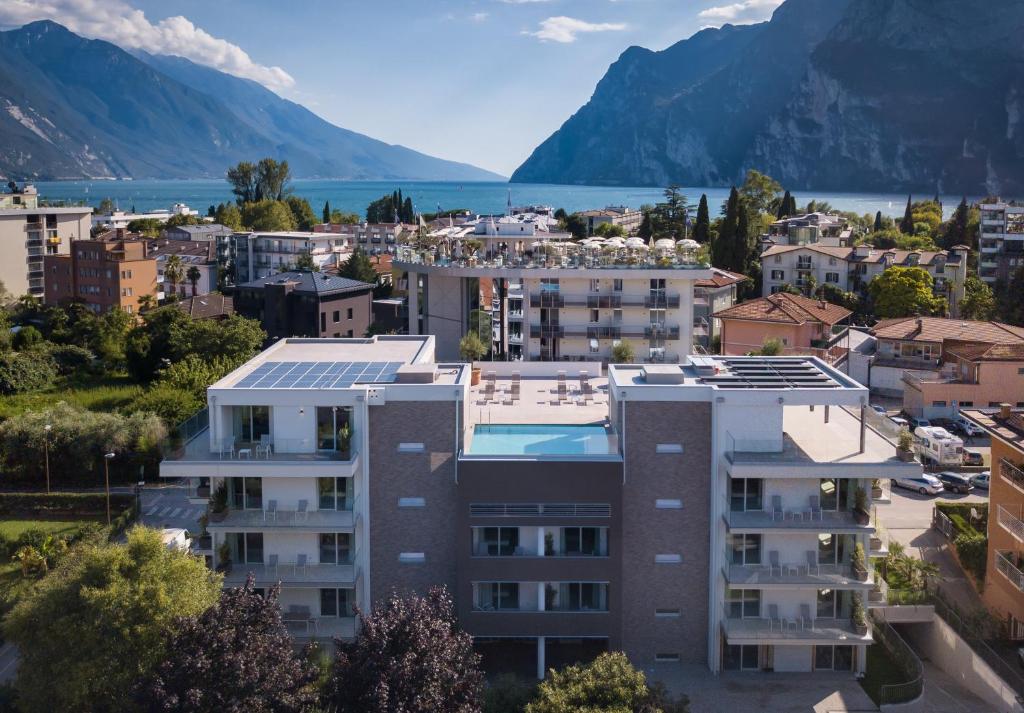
385,208
907,224
267,180
99,622
623,352
150,227
302,211
228,215
702,225
904,292
759,192
359,267
978,302
269,215
182,219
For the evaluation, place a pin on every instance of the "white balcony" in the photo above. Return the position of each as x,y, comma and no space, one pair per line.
320,627
795,520
292,574
261,520
788,576
1010,521
792,632
1009,569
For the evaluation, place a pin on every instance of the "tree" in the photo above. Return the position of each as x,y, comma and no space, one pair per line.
610,230
723,249
772,346
609,684
623,352
343,218
978,302
305,263
303,213
228,215
268,215
326,215
150,227
194,275
575,223
26,337
904,292
480,325
956,228
100,621
471,347
702,226
878,221
358,267
784,206
244,181
408,657
106,207
907,224
183,219
236,338
668,218
174,272
272,179
146,302
235,657
1011,299
759,191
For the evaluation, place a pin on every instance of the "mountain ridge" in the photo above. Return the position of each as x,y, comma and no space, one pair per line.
72,107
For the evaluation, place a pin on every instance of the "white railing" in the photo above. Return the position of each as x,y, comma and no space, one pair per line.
1011,522
1009,570
540,510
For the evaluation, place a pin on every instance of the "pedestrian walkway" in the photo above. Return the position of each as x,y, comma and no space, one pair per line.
168,506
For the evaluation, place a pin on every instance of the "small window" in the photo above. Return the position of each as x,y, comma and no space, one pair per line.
348,313
668,504
669,448
966,403
336,317
666,658
668,559
938,403
1020,371
595,316
412,557
666,613
412,502
411,448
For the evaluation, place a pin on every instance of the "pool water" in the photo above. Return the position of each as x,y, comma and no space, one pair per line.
539,439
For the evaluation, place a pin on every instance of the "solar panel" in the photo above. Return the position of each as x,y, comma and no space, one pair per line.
319,374
770,374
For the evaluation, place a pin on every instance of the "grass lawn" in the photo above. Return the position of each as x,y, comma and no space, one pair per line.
99,393
12,529
882,670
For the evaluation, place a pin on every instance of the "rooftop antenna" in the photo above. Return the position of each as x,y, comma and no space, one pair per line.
508,204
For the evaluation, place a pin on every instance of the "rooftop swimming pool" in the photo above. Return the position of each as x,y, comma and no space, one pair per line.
541,440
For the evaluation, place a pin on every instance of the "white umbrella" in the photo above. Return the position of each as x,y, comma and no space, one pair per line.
636,243
665,244
688,244
617,242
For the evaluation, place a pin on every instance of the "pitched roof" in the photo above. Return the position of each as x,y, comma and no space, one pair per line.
987,352
937,329
203,249
211,306
899,257
787,308
320,283
203,229
721,278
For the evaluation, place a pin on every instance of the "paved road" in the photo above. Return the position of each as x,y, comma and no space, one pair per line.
168,506
8,663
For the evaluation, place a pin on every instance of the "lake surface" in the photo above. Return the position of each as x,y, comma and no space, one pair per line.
483,197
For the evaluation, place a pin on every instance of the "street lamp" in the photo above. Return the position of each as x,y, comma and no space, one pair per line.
46,454
107,457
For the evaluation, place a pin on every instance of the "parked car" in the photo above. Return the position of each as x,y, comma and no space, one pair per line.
920,423
900,422
878,409
973,457
966,427
981,480
955,482
924,484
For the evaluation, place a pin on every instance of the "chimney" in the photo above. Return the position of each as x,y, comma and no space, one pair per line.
1004,411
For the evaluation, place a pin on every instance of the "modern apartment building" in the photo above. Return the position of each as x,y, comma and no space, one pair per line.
1001,242
119,219
260,254
111,271
852,268
823,229
695,513
372,238
1004,574
628,218
200,254
30,231
556,301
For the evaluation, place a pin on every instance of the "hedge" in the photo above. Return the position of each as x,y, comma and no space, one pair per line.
60,504
960,514
973,553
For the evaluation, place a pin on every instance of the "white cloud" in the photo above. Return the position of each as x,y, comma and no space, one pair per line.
127,27
740,13
565,29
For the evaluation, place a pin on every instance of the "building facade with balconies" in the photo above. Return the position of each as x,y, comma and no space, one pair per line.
110,271
261,254
29,232
1001,243
1004,574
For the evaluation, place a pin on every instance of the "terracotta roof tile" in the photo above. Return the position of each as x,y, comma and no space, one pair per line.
937,329
784,307
721,278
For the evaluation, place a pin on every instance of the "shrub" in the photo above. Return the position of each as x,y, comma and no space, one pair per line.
71,358
27,336
170,403
508,693
26,371
973,553
59,505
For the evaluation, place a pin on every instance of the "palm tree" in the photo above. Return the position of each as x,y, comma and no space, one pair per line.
146,302
173,272
194,276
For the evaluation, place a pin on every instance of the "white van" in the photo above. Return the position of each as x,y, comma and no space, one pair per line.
937,445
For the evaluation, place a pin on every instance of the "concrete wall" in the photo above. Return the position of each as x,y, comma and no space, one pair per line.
939,643
445,314
793,658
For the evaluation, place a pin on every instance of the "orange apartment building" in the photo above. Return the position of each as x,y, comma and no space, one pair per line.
107,272
1004,575
804,326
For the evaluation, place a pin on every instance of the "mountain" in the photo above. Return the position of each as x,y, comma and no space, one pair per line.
72,107
832,95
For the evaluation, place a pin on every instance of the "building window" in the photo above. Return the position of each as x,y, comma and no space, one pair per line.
938,403
496,541
595,316
411,448
412,557
617,315
334,493
337,602
336,317
669,448
778,274
497,596
666,613
348,334
746,494
666,658
743,603
617,285
668,559
738,657
668,504
348,313
778,258
323,321
744,549
966,403
832,277
595,285
335,548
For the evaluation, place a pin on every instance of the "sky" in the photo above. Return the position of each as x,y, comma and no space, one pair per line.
478,81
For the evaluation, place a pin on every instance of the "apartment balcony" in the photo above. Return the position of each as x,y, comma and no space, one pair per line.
661,331
53,240
292,574
1010,520
515,316
792,632
286,457
1009,569
238,520
301,626
515,338
795,519
34,226
789,576
1011,473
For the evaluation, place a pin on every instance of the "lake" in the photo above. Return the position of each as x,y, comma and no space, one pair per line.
483,197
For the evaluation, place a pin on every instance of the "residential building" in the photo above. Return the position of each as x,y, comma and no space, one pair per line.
212,306
210,232
800,324
119,219
1003,593
852,268
628,218
699,513
200,254
307,304
941,360
716,293
372,238
810,229
28,232
110,271
261,254
555,301
1001,243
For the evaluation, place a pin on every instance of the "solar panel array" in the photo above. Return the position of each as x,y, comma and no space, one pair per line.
319,374
771,374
